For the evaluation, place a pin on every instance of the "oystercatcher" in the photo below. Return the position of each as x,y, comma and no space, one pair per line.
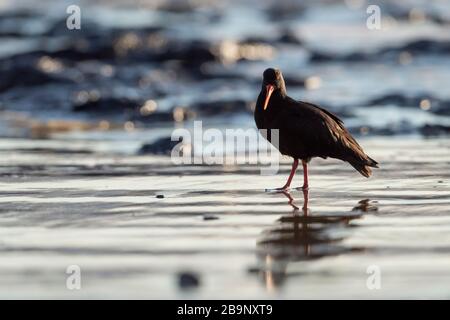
305,130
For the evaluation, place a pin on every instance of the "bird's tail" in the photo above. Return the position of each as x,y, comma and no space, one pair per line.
363,165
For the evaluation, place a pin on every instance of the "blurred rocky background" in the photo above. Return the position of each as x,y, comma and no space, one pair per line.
137,69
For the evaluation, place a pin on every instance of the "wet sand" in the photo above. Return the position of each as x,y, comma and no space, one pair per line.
101,212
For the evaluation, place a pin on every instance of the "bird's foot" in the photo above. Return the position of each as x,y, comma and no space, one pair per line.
303,188
279,190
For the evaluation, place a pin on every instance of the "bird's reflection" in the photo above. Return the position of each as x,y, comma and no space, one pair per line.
300,237
291,200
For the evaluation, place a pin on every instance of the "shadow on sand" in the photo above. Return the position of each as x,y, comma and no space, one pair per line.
301,237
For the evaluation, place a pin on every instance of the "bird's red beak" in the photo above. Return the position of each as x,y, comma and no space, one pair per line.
269,90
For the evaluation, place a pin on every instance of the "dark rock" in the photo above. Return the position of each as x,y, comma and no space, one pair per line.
88,28
357,57
162,146
285,36
13,34
157,116
207,217
317,56
441,108
441,111
19,14
107,105
253,269
15,76
20,23
147,44
425,46
202,74
80,49
190,54
437,106
188,280
83,49
416,47
256,39
289,37
397,99
294,81
222,107
54,151
285,10
131,45
434,130
177,6
160,196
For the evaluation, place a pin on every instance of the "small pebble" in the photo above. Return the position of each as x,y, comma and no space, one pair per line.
253,269
209,217
160,196
440,181
187,280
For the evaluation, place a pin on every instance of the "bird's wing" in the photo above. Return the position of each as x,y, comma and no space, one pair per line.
322,131
337,128
330,114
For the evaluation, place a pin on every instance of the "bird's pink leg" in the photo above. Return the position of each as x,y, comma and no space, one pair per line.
291,175
305,175
289,180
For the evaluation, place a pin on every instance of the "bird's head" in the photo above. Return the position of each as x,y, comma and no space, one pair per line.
273,83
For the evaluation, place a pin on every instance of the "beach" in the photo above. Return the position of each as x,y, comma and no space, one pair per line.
101,213
94,205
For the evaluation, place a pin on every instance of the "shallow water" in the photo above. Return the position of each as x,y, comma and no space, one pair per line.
73,190
101,213
239,40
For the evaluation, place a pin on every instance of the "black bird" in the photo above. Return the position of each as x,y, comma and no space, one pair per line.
305,130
